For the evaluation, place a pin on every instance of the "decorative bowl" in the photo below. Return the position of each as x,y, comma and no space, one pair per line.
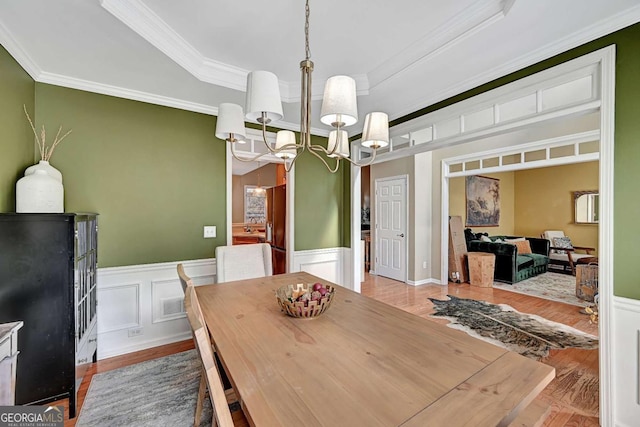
295,300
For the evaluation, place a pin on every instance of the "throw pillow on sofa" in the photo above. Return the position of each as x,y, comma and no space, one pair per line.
524,247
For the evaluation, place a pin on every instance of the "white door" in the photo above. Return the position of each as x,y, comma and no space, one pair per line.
391,228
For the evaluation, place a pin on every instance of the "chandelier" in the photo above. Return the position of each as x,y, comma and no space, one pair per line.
339,110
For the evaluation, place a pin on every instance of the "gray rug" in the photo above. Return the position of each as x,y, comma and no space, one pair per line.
159,392
530,335
551,286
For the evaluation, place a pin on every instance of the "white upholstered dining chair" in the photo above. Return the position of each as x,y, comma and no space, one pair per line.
241,262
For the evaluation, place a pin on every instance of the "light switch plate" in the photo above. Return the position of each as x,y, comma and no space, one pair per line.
209,231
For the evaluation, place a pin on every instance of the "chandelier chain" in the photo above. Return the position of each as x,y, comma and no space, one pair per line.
307,49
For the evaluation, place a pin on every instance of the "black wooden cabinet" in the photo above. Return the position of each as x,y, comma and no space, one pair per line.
48,280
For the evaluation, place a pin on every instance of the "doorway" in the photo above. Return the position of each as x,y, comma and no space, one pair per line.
253,147
599,68
391,227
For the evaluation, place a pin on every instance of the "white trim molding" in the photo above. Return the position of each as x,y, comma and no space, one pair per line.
148,25
131,305
131,299
625,351
327,264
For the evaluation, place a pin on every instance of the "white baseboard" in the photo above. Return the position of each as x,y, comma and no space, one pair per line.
626,361
429,281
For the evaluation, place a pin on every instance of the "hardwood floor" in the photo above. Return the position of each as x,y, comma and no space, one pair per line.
573,395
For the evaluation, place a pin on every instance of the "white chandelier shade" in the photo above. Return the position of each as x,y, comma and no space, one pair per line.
339,103
375,133
285,138
338,144
263,96
230,123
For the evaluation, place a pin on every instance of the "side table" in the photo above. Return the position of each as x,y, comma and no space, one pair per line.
481,268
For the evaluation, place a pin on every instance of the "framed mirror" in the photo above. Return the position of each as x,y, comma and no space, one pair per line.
586,207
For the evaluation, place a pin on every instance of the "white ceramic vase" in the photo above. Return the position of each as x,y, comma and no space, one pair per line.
40,190
45,166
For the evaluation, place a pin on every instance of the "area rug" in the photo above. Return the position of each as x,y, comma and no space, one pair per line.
551,286
530,335
159,392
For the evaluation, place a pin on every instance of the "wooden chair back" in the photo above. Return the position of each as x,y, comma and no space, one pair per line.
184,279
221,413
240,262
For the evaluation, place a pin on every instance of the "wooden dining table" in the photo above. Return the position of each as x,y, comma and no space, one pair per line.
361,363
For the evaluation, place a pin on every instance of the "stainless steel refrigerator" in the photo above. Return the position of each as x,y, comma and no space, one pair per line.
276,227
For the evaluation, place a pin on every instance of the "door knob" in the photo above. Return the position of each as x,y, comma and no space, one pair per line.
400,235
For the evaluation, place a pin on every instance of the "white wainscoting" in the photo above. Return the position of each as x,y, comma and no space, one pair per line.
331,264
141,306
147,299
626,361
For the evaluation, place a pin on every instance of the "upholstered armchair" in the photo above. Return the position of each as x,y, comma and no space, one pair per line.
563,252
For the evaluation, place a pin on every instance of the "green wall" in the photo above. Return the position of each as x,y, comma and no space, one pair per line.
16,137
156,175
319,203
627,143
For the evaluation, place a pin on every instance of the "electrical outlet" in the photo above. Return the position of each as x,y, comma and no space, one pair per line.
209,231
135,332
424,264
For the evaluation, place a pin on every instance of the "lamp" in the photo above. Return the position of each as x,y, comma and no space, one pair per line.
339,110
338,144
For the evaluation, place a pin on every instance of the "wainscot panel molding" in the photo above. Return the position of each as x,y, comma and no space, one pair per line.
141,306
626,361
328,264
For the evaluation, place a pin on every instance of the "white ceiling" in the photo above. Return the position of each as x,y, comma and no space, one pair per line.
405,55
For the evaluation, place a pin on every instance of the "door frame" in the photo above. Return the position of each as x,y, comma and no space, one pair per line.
290,177
405,179
605,58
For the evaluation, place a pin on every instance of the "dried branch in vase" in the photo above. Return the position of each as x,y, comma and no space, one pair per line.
45,152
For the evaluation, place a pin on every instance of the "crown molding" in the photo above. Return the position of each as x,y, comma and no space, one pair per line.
143,21
463,25
148,25
136,95
617,22
19,54
120,92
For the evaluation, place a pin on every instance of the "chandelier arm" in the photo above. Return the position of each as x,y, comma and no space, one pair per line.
371,160
252,159
320,148
291,164
334,170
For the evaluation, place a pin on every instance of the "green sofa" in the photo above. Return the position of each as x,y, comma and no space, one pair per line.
510,266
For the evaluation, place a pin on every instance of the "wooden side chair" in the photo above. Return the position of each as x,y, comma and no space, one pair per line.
185,280
563,251
241,262
211,378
